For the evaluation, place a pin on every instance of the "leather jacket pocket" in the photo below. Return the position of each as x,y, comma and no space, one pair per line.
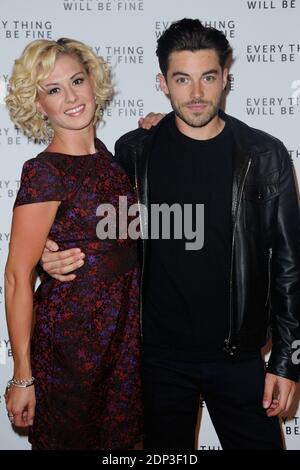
260,199
260,193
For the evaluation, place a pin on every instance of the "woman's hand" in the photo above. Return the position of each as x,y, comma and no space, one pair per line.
20,405
152,119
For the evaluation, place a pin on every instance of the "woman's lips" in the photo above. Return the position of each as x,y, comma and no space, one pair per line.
75,111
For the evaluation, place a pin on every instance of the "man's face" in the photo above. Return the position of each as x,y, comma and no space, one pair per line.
194,85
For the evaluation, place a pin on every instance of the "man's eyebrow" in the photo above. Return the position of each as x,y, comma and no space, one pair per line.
210,71
180,73
184,74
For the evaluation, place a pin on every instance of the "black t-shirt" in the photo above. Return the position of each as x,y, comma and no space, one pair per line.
186,303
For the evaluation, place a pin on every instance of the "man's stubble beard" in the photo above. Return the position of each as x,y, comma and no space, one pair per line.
199,119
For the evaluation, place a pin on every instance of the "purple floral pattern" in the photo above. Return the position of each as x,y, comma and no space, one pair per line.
86,340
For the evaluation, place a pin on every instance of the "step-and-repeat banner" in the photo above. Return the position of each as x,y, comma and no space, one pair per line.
264,92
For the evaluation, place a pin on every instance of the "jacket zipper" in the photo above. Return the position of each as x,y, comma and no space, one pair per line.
143,238
228,348
143,249
269,275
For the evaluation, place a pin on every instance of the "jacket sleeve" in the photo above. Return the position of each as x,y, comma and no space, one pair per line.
285,314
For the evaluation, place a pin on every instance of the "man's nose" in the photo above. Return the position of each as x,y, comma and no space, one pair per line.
197,90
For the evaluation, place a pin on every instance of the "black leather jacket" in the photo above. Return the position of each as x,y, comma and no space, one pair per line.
265,257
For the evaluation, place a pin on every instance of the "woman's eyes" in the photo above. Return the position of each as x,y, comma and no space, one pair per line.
55,90
78,81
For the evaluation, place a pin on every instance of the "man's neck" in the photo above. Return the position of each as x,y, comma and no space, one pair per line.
209,131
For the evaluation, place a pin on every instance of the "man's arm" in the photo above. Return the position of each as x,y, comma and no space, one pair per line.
285,293
283,373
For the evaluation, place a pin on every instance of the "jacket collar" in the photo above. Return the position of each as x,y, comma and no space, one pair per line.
241,133
245,146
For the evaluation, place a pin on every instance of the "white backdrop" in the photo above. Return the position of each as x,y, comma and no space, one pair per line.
265,93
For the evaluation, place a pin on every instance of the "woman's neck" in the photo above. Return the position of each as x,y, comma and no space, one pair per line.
81,142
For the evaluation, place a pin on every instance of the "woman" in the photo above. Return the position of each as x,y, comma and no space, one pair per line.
76,364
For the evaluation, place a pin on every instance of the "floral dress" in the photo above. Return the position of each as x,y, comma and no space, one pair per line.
86,340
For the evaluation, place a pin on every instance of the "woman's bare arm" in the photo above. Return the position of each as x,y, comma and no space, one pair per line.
30,227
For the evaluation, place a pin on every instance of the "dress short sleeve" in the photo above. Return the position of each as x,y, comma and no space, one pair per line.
41,181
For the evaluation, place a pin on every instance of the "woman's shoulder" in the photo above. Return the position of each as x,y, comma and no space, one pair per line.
43,162
101,147
41,181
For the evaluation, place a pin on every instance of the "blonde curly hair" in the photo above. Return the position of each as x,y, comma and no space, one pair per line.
34,66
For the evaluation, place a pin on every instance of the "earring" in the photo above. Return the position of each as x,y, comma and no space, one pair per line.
44,117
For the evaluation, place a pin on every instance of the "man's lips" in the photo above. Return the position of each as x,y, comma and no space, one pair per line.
197,107
76,111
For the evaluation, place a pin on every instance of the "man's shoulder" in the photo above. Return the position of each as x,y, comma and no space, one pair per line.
255,137
139,137
133,138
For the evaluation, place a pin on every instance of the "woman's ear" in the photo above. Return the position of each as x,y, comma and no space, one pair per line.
92,80
39,107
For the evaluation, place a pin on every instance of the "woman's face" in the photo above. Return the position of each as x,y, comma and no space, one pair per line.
68,97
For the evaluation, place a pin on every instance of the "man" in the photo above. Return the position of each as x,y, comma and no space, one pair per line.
207,312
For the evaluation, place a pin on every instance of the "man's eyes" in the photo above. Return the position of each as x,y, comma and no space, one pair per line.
209,78
182,80
206,78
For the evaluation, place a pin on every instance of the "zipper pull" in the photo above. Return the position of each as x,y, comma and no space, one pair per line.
229,349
